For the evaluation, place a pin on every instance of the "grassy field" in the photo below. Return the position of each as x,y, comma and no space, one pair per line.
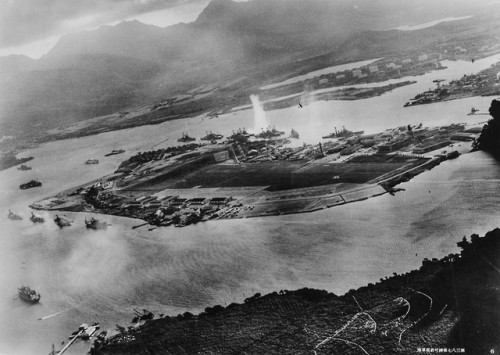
278,175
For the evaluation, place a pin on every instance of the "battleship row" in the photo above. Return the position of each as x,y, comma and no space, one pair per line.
247,175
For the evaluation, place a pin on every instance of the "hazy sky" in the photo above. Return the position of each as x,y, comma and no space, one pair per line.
32,27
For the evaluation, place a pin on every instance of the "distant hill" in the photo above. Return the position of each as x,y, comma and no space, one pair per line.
13,64
258,29
115,67
86,86
241,31
129,39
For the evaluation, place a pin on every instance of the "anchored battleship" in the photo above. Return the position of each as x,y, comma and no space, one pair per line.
269,133
185,138
344,133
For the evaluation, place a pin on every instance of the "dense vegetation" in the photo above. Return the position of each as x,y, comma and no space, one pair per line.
447,303
489,140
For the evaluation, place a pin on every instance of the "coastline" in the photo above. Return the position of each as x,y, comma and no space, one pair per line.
419,308
241,201
111,138
212,107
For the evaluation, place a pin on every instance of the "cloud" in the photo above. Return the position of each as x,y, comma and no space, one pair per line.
25,21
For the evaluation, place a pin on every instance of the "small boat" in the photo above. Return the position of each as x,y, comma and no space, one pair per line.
30,184
62,221
94,223
14,216
24,167
28,295
473,111
92,161
114,152
35,218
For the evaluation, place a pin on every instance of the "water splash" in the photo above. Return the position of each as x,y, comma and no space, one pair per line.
311,112
260,120
308,96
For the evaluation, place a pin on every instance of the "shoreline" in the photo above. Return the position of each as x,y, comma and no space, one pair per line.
244,201
158,113
419,305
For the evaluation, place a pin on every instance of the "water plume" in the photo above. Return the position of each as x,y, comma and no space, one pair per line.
307,96
311,111
260,120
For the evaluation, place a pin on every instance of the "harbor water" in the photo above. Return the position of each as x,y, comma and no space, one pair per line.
86,275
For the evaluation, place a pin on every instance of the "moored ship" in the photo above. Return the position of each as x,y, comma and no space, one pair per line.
28,295
35,218
185,138
344,133
212,137
95,223
14,216
114,152
62,221
30,184
24,167
473,111
269,133
240,136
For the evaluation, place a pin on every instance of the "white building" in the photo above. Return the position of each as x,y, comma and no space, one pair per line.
423,57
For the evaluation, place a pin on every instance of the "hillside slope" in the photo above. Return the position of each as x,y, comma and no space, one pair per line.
449,303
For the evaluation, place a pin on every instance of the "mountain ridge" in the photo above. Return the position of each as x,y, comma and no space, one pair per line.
227,38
